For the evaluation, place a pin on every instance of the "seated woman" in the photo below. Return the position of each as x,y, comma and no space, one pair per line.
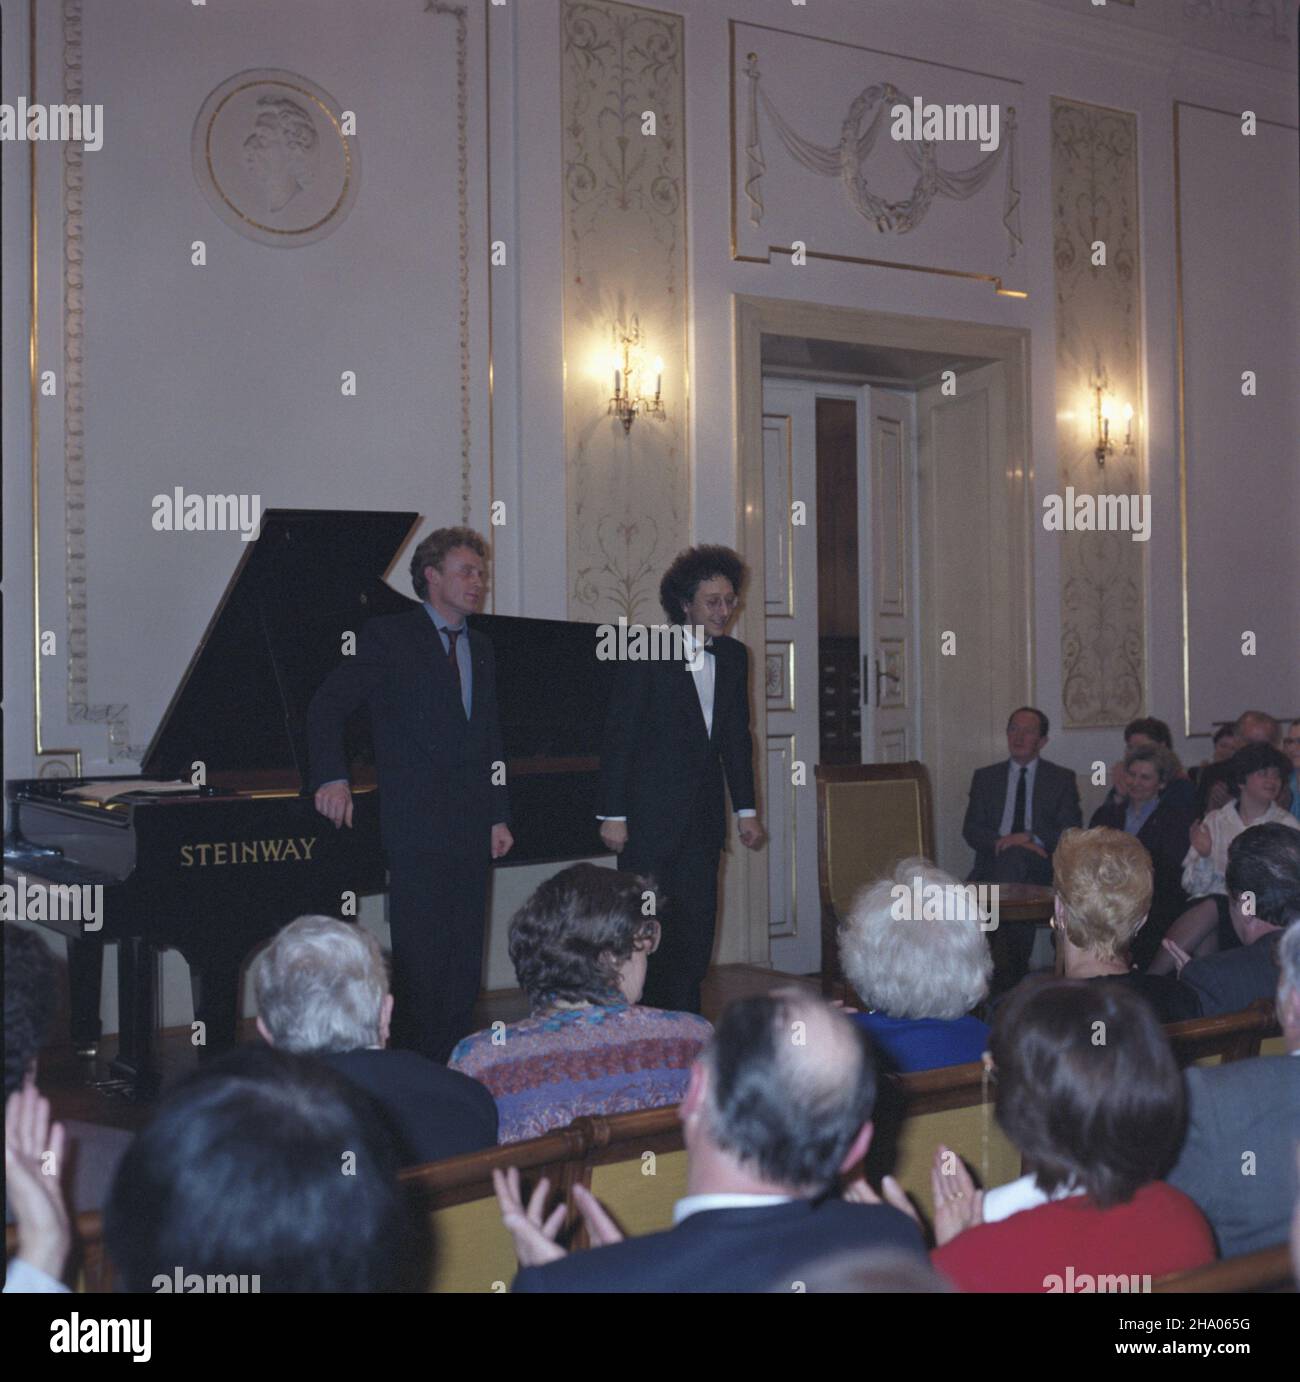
1103,881
579,947
1098,1123
1162,821
918,976
1257,774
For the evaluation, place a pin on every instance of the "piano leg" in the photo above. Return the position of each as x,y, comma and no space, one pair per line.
137,1015
214,982
85,981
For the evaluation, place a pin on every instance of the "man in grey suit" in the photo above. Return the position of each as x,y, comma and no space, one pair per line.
1263,878
1018,810
1243,1123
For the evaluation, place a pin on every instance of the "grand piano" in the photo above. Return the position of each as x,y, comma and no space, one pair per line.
216,870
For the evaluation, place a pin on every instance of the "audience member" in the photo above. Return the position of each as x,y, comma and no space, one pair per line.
918,974
1162,821
1214,783
1015,816
1206,925
269,1171
1223,745
779,1104
1148,732
93,1149
1103,892
579,947
1264,896
1291,747
1090,1093
1243,1124
322,990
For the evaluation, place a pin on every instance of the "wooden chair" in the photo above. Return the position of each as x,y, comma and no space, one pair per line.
635,1164
869,816
1231,1037
1267,1270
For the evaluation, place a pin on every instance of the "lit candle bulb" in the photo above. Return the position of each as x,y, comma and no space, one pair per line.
659,375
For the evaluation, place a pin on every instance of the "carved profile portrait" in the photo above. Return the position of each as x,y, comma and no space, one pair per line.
281,151
275,158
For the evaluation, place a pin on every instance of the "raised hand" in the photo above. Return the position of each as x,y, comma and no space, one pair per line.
957,1203
534,1235
33,1165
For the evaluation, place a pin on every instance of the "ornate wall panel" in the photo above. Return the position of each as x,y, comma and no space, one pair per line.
1098,340
815,161
224,375
625,266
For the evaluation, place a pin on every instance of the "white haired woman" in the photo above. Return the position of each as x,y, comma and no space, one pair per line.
914,950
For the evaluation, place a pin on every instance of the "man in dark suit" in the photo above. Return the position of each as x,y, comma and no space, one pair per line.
1263,878
1243,1123
430,684
675,726
1017,812
322,990
778,1105
1019,808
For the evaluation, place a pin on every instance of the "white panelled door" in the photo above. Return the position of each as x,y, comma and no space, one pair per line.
790,677
887,607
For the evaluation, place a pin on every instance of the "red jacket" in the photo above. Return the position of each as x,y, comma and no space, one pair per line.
1070,1245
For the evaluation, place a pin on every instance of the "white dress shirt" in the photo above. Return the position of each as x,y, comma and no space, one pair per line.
1017,1195
697,1204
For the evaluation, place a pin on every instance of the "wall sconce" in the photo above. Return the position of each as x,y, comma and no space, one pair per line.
1105,416
632,377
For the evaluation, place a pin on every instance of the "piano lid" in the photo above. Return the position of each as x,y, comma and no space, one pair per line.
310,575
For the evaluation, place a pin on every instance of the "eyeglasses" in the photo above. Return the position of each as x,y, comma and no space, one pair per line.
1290,743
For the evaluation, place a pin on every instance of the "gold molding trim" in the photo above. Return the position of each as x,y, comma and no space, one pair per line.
995,279
33,362
1183,535
1182,432
458,13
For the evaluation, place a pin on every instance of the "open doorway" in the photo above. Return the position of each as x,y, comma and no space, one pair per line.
891,614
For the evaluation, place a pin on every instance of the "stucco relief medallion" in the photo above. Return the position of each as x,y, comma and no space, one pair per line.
271,152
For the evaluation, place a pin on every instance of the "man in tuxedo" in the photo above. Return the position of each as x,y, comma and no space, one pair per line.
429,681
322,991
778,1105
1248,1107
1017,812
674,727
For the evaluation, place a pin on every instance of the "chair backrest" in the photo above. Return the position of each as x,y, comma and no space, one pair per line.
472,1250
926,1109
869,816
635,1163
1267,1270
1230,1037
